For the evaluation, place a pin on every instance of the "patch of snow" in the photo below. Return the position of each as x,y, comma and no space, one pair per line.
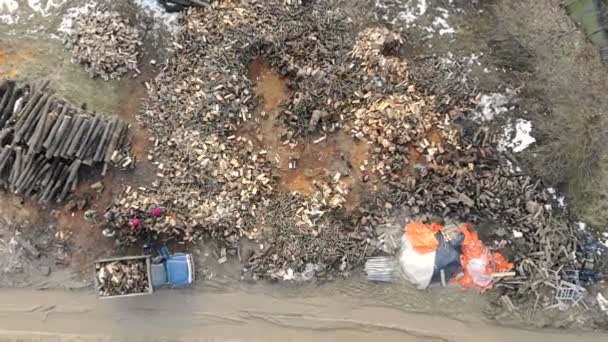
442,26
491,106
9,19
408,17
8,6
522,138
561,200
422,7
46,8
67,22
7,12
416,14
517,234
156,11
581,225
406,13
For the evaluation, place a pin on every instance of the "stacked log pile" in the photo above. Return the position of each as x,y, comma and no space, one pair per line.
44,142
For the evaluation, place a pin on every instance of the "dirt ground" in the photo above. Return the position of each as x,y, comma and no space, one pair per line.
556,71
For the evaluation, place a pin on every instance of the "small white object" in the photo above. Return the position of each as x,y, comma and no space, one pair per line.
477,269
517,234
581,225
288,275
320,139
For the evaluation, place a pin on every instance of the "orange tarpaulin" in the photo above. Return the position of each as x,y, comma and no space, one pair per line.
422,236
475,255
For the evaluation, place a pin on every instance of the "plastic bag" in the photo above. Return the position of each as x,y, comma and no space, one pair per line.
422,236
417,267
478,263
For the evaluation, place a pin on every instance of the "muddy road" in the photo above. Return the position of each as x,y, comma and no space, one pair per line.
210,315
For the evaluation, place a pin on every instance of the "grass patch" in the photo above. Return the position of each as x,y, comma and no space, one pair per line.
572,156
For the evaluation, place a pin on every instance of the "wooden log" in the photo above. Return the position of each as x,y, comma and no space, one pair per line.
57,136
43,85
79,136
4,135
32,100
36,117
90,150
34,166
77,122
66,134
47,178
49,139
25,123
54,183
62,177
114,141
75,183
9,110
68,184
21,174
30,188
84,144
105,137
35,187
16,169
8,93
62,136
4,158
35,138
51,119
6,166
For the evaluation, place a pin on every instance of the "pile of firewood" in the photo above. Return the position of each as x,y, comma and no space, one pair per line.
122,277
44,140
105,43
